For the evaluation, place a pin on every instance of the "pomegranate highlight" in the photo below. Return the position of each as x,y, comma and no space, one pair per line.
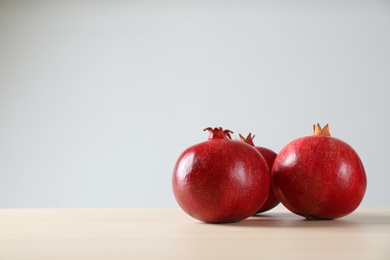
220,180
269,157
319,176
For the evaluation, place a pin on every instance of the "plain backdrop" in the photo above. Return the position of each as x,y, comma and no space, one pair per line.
99,98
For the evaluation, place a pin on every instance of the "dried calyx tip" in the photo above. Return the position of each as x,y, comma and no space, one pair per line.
248,139
317,130
218,133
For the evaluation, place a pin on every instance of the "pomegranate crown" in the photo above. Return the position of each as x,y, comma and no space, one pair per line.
248,139
317,130
218,133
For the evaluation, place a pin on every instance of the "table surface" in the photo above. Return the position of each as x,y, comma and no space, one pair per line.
163,233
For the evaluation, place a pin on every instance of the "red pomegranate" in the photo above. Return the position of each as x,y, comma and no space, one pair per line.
220,180
319,176
269,157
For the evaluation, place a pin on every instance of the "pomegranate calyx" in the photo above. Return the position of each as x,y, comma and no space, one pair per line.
248,139
318,131
218,133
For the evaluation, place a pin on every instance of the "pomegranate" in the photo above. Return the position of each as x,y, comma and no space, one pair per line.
319,176
269,157
220,180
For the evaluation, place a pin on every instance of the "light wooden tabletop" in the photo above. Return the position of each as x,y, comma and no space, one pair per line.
171,234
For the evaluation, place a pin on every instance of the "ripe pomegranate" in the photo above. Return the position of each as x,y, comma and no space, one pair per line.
319,176
269,157
220,180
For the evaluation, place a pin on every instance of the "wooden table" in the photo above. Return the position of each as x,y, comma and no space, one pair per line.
171,234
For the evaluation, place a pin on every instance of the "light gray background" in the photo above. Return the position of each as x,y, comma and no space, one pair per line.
98,99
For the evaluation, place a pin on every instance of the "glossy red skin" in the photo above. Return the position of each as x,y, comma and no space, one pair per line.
319,177
220,181
272,201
